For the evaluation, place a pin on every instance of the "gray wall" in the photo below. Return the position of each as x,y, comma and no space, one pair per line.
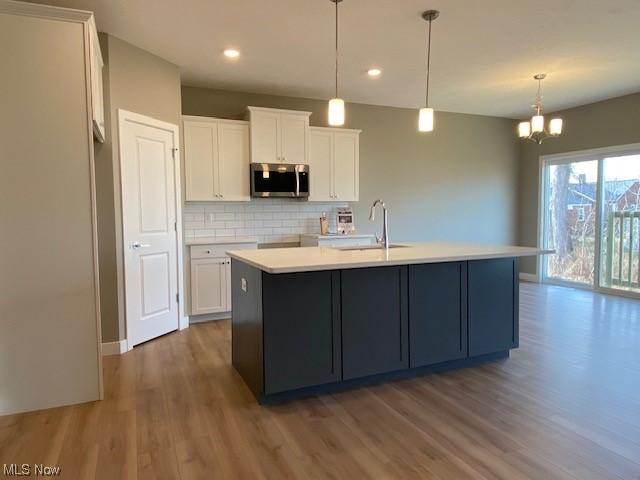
140,82
457,183
49,352
602,124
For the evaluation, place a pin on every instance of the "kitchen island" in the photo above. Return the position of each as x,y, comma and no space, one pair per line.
317,319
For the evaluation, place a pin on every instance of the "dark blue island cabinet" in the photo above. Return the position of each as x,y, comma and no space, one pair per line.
299,334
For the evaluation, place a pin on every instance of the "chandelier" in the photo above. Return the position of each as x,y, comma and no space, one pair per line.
534,129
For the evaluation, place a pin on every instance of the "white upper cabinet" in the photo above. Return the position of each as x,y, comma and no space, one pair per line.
200,159
346,165
278,136
233,164
265,137
216,159
293,138
97,98
334,164
320,164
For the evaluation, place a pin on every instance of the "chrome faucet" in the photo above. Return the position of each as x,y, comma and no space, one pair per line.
385,231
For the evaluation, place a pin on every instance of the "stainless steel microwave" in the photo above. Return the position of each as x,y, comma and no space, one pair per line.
279,180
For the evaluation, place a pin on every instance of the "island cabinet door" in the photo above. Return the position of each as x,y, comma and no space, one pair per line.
437,313
374,321
493,305
301,324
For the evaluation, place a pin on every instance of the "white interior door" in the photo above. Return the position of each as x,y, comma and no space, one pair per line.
149,227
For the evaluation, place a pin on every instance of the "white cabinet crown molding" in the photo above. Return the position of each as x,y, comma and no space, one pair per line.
334,129
279,110
197,118
45,11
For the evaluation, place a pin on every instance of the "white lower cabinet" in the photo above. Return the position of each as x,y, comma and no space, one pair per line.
334,162
211,277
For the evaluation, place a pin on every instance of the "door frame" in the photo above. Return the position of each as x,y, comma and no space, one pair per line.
599,155
125,116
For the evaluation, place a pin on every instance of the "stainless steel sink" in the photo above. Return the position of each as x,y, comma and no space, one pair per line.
369,247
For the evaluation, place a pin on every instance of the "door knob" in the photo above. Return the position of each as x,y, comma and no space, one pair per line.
137,245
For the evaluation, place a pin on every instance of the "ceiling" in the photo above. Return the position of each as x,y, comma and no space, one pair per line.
484,52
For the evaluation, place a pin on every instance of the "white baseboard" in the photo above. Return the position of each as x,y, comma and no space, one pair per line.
114,348
209,317
528,277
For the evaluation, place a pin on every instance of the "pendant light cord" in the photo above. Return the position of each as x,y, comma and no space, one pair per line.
337,48
426,100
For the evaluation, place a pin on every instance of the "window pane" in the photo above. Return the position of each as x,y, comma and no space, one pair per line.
570,221
621,223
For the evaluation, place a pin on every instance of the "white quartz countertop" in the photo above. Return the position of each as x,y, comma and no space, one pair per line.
219,240
306,259
335,235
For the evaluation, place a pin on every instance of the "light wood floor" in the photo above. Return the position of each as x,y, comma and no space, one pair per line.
565,405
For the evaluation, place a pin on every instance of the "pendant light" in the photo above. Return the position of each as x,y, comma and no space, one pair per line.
425,115
336,104
534,129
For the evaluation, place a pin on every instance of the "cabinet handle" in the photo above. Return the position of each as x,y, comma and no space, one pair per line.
208,252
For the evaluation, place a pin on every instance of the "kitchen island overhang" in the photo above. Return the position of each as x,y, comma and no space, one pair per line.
313,320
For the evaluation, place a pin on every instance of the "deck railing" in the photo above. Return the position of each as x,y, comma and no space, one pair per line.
622,259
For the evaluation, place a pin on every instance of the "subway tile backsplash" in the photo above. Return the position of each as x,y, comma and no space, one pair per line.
270,220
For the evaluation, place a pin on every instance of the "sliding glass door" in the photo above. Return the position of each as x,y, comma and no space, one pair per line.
590,216
620,252
570,201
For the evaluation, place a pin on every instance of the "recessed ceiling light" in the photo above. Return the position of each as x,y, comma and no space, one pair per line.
374,72
231,53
